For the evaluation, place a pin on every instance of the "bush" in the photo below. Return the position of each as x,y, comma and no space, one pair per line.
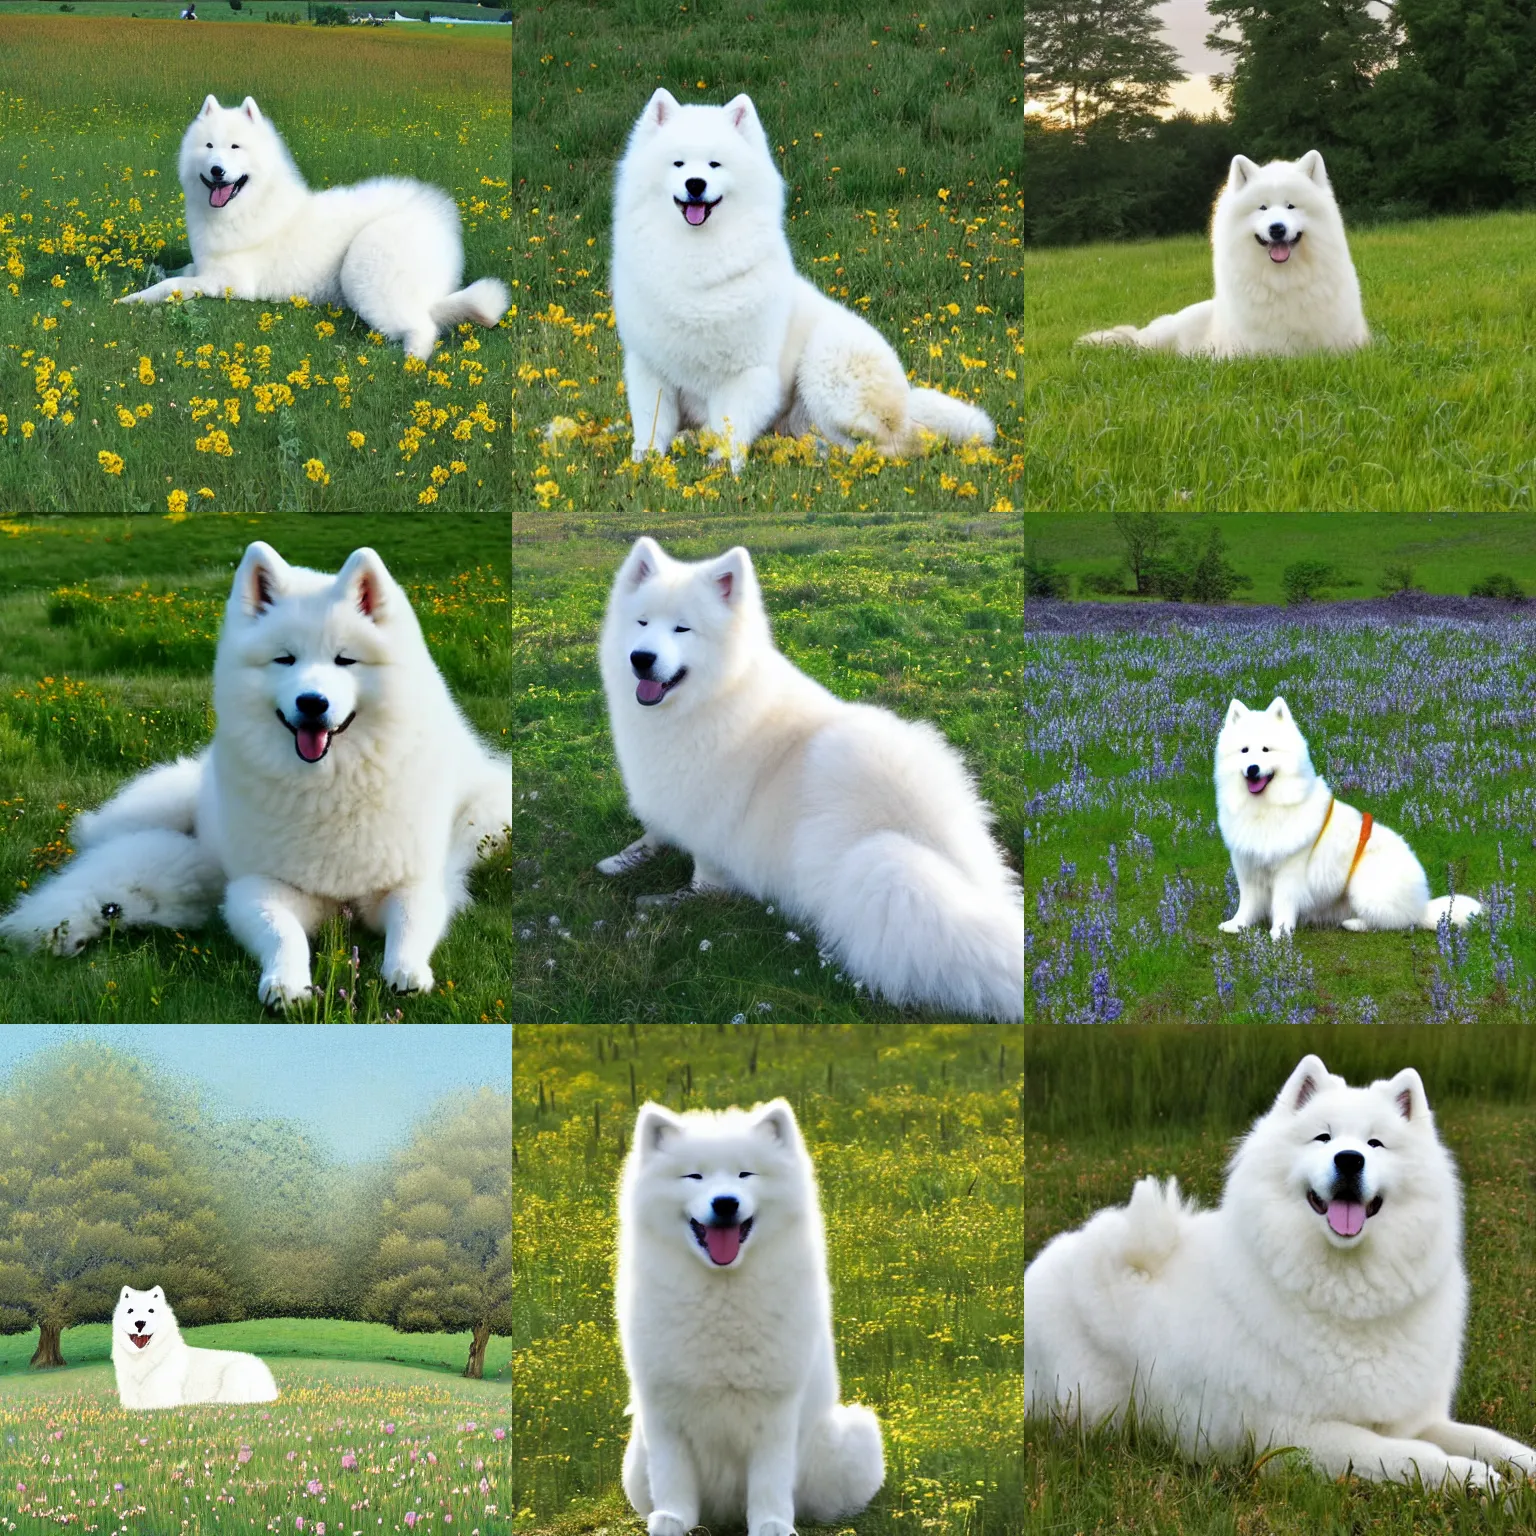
1399,578
1306,580
1104,583
331,16
1195,572
236,5
1042,579
1501,584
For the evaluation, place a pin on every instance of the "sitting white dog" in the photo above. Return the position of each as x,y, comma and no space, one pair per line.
157,1368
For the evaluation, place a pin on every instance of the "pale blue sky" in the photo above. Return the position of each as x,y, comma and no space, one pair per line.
356,1088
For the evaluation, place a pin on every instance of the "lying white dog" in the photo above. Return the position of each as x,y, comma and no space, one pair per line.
157,1368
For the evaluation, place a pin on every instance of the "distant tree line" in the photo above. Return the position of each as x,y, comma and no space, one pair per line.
111,1175
1420,107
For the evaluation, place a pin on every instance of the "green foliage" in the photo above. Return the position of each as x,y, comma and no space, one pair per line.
1195,570
1499,584
1088,60
1398,576
1304,581
1042,578
331,16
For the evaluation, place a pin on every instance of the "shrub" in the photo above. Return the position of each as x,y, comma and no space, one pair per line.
236,5
1042,579
331,16
1104,583
1500,584
1306,580
1399,578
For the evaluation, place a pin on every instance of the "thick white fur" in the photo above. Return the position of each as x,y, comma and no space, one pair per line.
732,1369
392,818
866,825
167,1372
1281,876
1257,1319
388,248
717,329
1307,303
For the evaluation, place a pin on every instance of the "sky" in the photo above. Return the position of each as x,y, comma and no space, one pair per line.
356,1088
1185,24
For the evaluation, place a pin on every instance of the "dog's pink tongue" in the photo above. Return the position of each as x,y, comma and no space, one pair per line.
225,190
1279,252
139,1340
1257,786
695,213
724,1243
1346,1217
312,741
648,690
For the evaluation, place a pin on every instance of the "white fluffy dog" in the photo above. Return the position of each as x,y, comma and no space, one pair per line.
717,329
1285,283
1320,1306
157,1368
1299,854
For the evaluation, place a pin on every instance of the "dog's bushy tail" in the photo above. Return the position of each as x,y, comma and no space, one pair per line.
915,928
1462,910
844,1465
1152,1223
484,301
949,418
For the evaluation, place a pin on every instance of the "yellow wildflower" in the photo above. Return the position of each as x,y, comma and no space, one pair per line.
110,463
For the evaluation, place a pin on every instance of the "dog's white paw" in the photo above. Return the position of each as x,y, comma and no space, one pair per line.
281,989
662,1522
1231,926
408,976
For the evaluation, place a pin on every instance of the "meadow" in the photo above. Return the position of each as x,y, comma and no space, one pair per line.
1431,417
354,1442
1422,722
217,404
892,582
916,1134
1104,1108
107,630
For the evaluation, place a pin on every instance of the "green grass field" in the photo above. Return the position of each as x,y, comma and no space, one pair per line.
892,582
107,630
1421,723
354,1442
916,1135
1447,551
217,404
1104,1108
1434,416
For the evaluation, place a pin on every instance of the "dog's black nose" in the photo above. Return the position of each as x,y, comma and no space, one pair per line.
1251,771
1349,1164
217,172
724,1207
312,705
642,662
1277,231
696,186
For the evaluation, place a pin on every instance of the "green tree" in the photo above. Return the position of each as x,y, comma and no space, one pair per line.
1145,536
1086,59
445,1261
98,1192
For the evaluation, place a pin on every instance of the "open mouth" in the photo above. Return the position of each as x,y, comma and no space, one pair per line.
1345,1218
651,690
1259,785
138,1340
1279,250
695,209
722,1244
222,192
313,741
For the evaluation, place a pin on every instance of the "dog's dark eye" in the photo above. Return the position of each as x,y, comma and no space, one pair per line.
1288,205
746,1175
678,164
681,629
346,661
1263,206
1373,1142
210,146
1264,749
699,1176
284,661
714,165
1323,1137
234,146
642,622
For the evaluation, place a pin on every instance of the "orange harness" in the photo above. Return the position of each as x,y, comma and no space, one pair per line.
1365,834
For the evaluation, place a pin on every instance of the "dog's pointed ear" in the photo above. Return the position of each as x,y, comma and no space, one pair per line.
210,104
259,580
661,108
1235,711
1279,710
1311,166
367,584
732,574
643,562
776,1121
251,110
743,117
655,1127
1309,1077
1406,1091
1242,171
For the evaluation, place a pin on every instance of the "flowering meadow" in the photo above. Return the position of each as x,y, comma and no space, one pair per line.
106,672
221,405
895,582
1424,721
916,1133
348,1449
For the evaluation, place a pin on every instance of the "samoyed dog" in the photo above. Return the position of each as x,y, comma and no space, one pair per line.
725,1319
1320,1306
157,1368
340,771
863,824
1284,281
389,248
1300,855
717,330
